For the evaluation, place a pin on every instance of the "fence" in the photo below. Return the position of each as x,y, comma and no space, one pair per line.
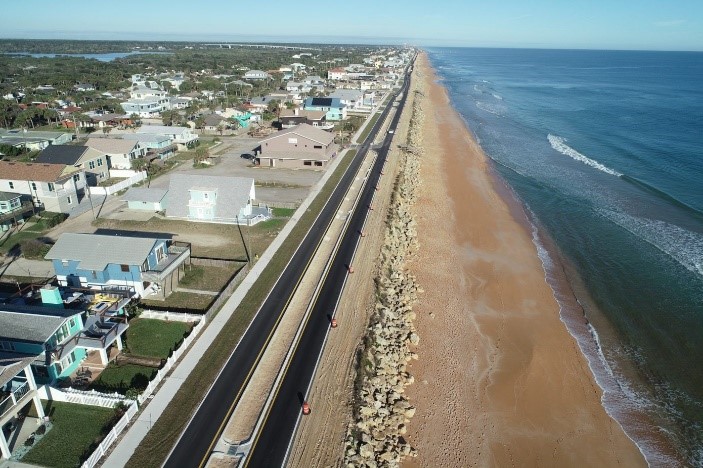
225,293
138,177
170,316
171,361
82,397
111,437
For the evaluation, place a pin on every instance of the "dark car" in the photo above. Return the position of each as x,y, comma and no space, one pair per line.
247,156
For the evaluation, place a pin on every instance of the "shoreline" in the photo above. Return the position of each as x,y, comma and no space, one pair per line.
503,319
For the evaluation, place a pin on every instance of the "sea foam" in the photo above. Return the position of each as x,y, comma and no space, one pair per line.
559,144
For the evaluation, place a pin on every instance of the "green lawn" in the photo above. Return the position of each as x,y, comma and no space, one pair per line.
155,338
208,278
283,212
183,300
76,432
368,128
121,378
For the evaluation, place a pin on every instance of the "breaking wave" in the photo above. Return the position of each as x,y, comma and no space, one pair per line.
559,144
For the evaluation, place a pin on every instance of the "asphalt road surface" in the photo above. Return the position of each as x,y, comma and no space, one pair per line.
270,447
203,431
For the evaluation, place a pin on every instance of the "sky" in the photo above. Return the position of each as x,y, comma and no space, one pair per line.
568,24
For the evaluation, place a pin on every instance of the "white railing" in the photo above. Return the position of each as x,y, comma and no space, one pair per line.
170,316
111,437
138,177
82,397
171,361
14,397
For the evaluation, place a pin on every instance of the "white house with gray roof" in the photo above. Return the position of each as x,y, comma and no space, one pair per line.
214,199
119,152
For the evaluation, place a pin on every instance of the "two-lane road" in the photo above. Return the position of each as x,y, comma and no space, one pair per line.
205,427
270,447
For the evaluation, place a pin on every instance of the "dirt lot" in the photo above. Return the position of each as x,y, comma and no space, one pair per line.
273,185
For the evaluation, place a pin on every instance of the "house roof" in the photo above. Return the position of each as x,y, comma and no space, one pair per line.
232,194
212,120
7,196
62,154
306,131
347,94
12,363
162,129
323,102
31,171
32,323
145,137
150,195
96,251
112,145
308,114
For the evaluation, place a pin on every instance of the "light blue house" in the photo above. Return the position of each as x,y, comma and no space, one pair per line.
140,265
333,107
13,210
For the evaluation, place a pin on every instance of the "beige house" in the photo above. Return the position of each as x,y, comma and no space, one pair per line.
299,147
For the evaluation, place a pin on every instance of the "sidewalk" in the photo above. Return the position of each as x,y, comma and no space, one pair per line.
151,413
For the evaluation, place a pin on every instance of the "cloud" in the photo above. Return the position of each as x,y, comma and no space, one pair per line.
669,23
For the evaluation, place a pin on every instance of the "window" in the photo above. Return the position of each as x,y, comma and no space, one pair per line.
307,163
124,268
51,187
100,162
12,185
68,200
317,146
76,177
91,164
34,186
318,163
7,346
64,263
72,323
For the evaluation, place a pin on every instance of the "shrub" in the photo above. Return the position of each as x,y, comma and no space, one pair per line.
50,219
32,248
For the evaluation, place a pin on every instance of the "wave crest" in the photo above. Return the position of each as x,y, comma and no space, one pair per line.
559,144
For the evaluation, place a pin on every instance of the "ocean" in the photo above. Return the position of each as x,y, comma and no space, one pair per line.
605,151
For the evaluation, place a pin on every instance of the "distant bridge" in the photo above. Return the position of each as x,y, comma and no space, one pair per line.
261,46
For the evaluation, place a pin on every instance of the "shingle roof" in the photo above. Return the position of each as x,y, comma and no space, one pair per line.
96,251
31,171
161,129
62,154
232,194
6,196
31,323
151,195
111,145
12,363
307,131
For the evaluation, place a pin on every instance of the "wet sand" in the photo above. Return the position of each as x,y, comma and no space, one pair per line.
499,382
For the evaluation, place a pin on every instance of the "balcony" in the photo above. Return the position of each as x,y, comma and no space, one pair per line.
17,212
178,253
9,402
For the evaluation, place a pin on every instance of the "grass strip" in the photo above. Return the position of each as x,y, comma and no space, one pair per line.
368,127
160,439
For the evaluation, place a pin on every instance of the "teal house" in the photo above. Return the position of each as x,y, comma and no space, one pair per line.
13,210
58,338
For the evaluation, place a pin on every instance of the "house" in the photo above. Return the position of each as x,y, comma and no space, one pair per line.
183,137
146,199
292,117
141,265
350,98
13,210
333,107
145,108
118,152
92,161
33,139
256,75
213,199
300,147
337,73
84,87
18,389
62,329
156,145
213,122
53,187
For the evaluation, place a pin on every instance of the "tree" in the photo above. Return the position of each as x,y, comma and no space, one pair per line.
201,154
200,122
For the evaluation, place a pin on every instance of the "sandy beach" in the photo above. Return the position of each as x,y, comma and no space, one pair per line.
499,380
